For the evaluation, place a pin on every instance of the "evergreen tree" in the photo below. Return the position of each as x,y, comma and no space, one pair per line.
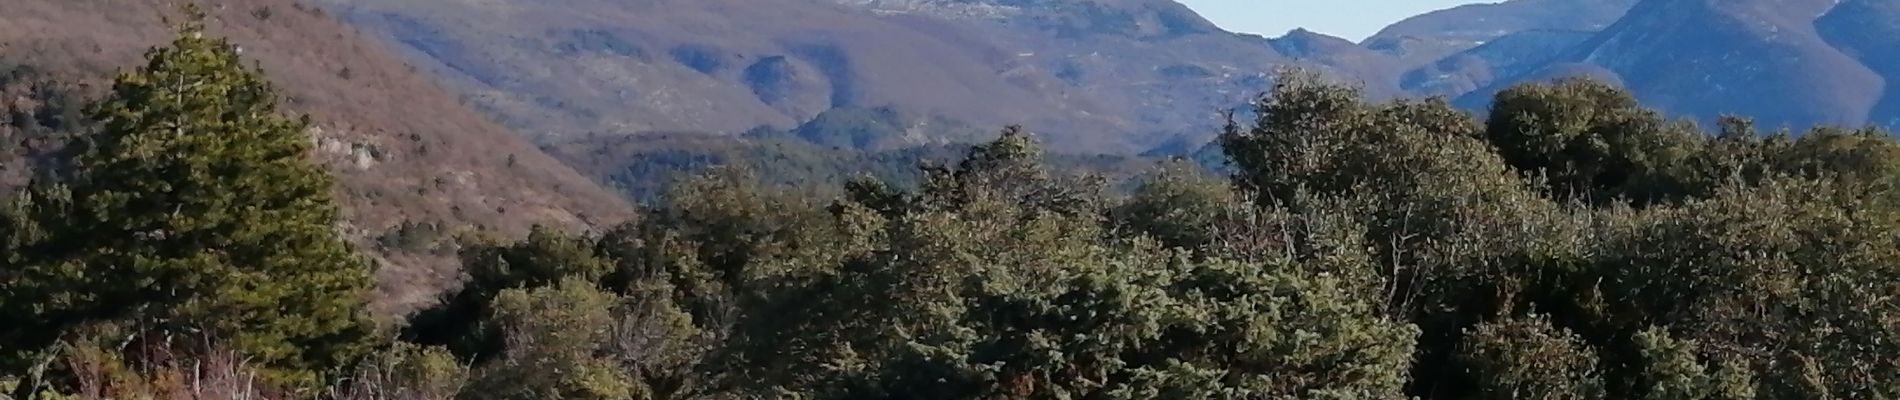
555,337
544,258
195,215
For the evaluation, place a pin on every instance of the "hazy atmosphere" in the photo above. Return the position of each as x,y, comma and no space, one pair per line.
949,200
1350,19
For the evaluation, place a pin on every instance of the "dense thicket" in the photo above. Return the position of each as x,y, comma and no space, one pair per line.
36,113
1571,245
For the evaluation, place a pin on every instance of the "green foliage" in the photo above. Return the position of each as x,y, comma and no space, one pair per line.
1575,245
1181,208
195,211
38,115
980,288
646,166
1528,359
1009,169
1675,370
545,258
407,371
415,238
554,338
882,128
1545,286
1796,257
1363,251
1591,140
1299,140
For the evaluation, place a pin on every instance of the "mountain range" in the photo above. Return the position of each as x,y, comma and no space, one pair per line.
1784,62
1114,76
1102,76
506,114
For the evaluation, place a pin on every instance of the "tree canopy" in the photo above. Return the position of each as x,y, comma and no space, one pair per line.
1571,244
191,212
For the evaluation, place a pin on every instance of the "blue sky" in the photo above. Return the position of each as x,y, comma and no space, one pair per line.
1350,19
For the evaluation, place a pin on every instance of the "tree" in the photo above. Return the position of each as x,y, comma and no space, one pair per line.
407,371
545,258
1009,168
1592,140
1673,370
1528,359
555,337
982,288
195,212
1181,208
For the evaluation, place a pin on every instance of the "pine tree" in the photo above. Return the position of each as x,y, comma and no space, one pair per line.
194,215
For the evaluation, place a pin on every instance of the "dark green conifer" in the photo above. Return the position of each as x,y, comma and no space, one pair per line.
194,215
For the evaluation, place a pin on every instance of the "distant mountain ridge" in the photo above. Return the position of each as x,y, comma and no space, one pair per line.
1119,76
1869,31
1096,75
1146,19
1436,36
1768,59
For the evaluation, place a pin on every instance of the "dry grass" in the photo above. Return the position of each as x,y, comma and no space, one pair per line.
212,373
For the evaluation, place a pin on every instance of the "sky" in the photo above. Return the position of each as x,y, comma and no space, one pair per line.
1350,19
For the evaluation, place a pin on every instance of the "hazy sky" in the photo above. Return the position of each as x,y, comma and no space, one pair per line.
1350,19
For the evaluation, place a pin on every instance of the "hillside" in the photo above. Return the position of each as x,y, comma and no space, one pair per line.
1116,76
403,150
1095,76
1869,31
1504,57
1764,58
1331,242
1435,35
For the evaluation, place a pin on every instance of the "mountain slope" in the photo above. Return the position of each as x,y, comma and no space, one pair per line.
1504,57
1120,76
1706,58
1869,31
1092,75
1432,36
621,67
403,150
1378,72
723,65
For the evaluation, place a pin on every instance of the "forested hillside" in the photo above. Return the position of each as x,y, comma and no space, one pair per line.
405,152
1572,244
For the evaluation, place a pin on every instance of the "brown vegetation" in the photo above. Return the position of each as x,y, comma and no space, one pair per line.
403,149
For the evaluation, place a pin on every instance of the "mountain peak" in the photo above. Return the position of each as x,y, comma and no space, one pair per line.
1303,43
1486,21
1714,57
1133,18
